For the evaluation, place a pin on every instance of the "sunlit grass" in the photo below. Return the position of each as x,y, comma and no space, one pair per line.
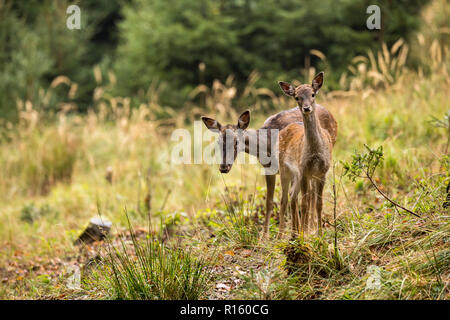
148,269
55,171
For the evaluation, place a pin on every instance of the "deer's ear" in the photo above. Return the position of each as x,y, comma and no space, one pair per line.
317,82
211,124
244,120
287,88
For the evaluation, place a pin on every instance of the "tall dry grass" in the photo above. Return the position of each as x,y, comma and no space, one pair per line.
116,155
382,99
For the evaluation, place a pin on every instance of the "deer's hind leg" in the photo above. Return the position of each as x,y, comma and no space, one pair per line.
270,182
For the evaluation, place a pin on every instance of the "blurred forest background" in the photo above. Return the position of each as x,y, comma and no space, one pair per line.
86,118
176,45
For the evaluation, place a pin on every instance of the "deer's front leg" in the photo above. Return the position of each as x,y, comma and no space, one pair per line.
296,230
304,205
270,183
319,203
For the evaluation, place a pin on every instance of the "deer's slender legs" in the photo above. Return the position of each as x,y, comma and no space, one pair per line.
285,180
310,201
270,182
294,207
319,192
304,184
312,208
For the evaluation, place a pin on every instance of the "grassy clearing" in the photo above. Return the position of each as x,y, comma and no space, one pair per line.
56,173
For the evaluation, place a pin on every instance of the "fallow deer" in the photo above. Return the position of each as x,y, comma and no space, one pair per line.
304,158
260,137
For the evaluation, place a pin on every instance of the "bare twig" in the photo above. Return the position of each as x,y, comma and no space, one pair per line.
388,199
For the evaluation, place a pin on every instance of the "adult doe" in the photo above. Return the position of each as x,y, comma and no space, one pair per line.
304,158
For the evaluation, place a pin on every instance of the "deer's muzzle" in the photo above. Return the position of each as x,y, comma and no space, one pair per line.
225,168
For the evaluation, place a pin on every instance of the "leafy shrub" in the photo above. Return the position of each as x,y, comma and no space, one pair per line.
30,212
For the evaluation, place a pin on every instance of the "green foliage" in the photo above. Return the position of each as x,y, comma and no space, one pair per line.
41,151
36,46
167,40
181,43
23,64
30,212
363,164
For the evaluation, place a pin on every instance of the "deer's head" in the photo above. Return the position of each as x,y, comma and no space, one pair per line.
231,139
304,94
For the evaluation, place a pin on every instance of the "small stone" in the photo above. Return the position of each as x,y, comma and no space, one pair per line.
97,230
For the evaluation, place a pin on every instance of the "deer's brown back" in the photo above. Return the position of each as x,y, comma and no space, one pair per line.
284,118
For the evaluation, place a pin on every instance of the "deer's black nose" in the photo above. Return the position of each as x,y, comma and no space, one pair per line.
225,168
307,109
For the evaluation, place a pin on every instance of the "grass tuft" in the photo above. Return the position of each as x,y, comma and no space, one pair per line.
151,270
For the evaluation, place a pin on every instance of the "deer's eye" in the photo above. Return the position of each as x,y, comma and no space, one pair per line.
313,95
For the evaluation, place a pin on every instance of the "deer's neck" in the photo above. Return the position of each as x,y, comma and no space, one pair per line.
260,143
313,134
252,140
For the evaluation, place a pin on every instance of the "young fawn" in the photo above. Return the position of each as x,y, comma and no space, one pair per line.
231,140
304,158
